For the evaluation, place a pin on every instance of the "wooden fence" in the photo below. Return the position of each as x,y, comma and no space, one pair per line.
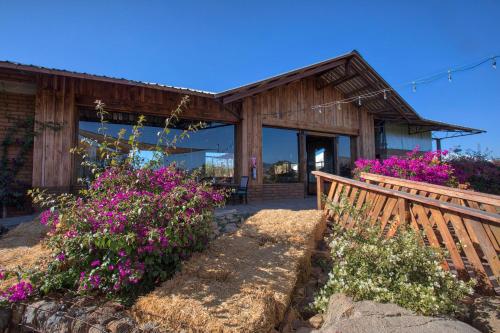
459,229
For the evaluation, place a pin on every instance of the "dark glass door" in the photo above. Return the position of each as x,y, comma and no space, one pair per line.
320,156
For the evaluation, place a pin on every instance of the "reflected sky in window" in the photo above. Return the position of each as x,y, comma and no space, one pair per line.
210,149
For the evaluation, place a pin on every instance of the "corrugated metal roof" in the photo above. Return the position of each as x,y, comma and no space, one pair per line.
63,72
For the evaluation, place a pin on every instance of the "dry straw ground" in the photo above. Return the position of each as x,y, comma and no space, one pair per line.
21,247
243,282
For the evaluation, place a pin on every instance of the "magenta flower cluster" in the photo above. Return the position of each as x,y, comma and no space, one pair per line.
17,292
424,167
131,227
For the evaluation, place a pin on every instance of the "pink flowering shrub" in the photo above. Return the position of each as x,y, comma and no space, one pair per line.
129,231
426,167
477,170
17,292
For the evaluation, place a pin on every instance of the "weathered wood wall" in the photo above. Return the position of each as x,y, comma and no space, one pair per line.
55,103
291,106
59,99
366,139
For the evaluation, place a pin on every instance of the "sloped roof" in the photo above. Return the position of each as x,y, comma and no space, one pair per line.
350,73
63,72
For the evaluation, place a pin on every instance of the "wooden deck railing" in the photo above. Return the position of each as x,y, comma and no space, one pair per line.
477,200
487,202
459,229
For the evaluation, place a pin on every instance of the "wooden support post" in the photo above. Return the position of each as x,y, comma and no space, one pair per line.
319,191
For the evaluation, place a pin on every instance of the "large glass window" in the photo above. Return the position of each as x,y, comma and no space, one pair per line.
280,155
344,158
209,150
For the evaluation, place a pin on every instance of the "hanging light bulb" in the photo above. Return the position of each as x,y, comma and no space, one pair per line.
385,94
414,86
339,106
494,63
449,76
320,109
359,101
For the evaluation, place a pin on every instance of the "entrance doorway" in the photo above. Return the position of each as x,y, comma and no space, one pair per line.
320,156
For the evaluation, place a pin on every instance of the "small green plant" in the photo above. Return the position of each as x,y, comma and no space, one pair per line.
398,270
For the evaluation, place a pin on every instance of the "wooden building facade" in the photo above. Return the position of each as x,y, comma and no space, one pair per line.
316,102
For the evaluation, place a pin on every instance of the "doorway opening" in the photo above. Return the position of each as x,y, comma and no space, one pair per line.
320,156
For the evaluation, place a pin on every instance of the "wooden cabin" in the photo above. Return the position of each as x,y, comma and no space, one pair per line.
276,131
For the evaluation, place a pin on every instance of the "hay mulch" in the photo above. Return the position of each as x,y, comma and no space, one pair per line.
21,248
243,282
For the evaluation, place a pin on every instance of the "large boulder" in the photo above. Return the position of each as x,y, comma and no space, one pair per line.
346,316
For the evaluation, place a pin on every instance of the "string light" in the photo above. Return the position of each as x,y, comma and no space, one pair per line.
425,80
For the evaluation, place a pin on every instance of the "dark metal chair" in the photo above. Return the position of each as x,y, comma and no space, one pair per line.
242,191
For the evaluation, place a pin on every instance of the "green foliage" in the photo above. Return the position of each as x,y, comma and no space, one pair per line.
398,270
133,225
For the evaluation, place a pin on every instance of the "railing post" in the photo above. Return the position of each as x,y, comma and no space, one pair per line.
319,191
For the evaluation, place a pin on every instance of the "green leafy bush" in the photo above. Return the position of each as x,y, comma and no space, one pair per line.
127,232
398,270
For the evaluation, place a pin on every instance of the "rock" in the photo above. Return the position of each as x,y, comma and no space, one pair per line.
298,323
316,272
29,316
44,311
303,330
5,315
17,314
123,325
57,322
102,315
230,227
316,321
485,314
346,316
96,328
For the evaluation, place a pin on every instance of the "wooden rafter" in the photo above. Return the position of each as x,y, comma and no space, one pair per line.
389,99
338,81
269,84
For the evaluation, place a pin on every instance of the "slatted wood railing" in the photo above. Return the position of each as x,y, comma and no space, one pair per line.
477,200
446,225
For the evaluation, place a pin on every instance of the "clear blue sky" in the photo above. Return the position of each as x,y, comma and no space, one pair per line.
216,45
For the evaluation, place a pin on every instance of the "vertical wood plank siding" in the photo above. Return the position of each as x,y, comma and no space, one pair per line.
55,103
59,99
291,106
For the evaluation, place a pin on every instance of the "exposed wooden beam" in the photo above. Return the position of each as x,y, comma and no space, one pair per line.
266,85
337,82
161,109
356,92
389,99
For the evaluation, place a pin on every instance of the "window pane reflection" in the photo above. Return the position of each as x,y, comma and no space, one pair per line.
344,155
210,149
280,155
